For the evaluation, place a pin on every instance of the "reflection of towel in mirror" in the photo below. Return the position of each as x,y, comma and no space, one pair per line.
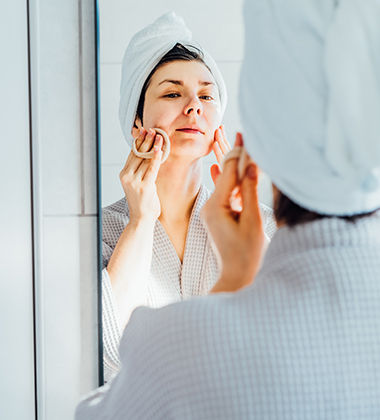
310,100
143,53
169,281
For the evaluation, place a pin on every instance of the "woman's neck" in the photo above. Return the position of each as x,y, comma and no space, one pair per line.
178,185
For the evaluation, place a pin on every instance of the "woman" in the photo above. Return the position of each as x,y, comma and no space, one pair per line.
155,249
302,341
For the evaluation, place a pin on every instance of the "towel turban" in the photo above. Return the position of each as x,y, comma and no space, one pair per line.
310,100
144,52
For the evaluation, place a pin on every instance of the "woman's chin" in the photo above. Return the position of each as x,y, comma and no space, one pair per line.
189,151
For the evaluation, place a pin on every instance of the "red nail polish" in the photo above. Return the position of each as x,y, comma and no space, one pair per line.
239,140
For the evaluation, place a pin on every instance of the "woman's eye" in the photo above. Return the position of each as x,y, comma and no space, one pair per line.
207,97
172,95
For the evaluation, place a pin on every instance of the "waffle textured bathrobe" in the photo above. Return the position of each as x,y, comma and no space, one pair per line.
170,280
302,342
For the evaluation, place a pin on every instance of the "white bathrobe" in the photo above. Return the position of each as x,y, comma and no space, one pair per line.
302,342
170,280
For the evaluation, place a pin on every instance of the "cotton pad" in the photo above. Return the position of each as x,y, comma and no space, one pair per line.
149,155
238,153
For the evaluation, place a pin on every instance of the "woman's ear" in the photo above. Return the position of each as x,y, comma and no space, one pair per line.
274,192
136,127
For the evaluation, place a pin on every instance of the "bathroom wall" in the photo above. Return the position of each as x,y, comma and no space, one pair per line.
16,260
216,25
64,156
48,164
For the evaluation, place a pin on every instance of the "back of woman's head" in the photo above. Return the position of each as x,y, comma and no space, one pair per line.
289,213
310,103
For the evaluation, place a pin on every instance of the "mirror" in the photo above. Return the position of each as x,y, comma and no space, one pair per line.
182,263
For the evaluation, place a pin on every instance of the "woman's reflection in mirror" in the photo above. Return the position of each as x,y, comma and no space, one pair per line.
156,250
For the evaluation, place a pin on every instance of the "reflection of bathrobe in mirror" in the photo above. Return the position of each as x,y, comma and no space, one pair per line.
170,281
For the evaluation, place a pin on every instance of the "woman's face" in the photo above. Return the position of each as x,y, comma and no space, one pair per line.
183,99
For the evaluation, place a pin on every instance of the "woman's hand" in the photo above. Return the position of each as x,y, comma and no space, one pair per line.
138,178
129,265
220,147
238,236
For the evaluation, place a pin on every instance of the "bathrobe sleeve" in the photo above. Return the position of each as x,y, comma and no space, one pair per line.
114,221
111,328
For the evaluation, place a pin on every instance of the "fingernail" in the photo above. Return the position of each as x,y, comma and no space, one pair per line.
251,172
141,130
239,140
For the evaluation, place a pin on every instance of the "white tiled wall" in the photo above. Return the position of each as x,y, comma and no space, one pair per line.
16,260
216,25
48,210
64,143
69,338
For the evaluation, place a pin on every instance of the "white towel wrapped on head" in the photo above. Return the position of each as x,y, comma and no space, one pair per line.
310,100
144,52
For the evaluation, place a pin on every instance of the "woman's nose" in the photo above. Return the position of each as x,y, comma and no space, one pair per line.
194,107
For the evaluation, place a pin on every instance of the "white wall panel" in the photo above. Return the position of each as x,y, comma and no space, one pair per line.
214,23
114,147
60,153
59,105
70,273
16,293
64,142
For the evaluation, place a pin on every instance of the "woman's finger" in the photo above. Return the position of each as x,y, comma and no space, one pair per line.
218,152
140,172
155,163
221,143
251,214
131,155
225,138
146,142
130,167
220,135
226,182
215,173
140,139
238,140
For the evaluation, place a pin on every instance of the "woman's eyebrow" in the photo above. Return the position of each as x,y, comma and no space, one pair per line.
206,83
175,82
180,82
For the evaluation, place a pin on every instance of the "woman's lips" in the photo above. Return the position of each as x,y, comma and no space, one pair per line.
190,130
